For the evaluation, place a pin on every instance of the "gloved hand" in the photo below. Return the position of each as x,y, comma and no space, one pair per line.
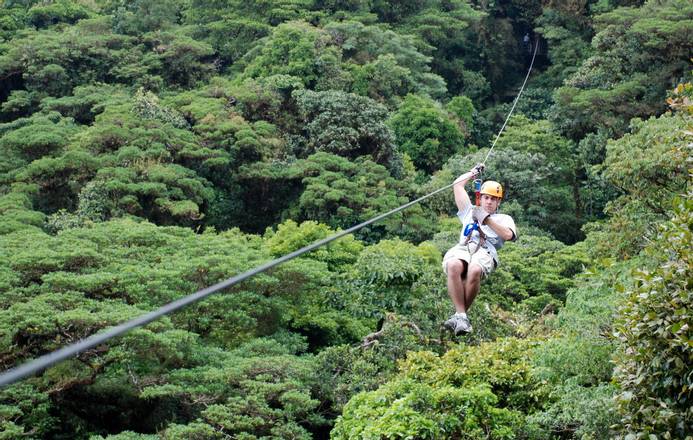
475,171
478,169
479,214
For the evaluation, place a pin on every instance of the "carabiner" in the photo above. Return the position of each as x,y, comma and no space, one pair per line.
470,227
477,191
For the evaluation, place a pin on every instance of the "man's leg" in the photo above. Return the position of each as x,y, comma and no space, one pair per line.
456,288
471,284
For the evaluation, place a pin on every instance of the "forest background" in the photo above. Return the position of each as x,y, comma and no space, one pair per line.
151,148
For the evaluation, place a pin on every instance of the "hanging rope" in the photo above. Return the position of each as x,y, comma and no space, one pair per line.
47,360
517,98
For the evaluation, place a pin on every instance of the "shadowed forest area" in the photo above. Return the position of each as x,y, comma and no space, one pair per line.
152,148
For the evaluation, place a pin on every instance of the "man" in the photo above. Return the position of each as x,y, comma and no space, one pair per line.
526,43
476,253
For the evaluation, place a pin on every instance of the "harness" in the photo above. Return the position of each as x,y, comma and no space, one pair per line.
471,227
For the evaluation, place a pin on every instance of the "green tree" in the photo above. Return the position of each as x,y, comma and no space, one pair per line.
28,139
523,134
349,56
342,193
269,99
12,19
60,11
184,61
576,360
296,49
619,71
52,62
347,125
232,36
567,32
16,209
368,50
653,327
84,279
86,102
463,108
492,382
443,28
648,167
425,132
267,393
382,279
291,236
139,17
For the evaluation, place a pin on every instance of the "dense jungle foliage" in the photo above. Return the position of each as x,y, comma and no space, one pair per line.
151,148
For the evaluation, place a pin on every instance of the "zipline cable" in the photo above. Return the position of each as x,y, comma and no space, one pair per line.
517,98
39,364
49,359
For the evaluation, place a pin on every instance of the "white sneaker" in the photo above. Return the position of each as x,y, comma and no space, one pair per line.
451,323
463,325
458,324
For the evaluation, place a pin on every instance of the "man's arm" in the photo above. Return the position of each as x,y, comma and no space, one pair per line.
503,232
461,196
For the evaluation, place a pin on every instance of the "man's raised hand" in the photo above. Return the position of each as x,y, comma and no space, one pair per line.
479,214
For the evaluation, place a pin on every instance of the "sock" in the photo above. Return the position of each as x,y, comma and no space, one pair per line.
461,314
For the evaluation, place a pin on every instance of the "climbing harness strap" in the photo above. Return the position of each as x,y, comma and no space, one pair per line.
471,227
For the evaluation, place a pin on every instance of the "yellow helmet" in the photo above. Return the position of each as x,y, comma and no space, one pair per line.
492,188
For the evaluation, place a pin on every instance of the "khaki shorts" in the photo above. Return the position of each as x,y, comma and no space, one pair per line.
480,257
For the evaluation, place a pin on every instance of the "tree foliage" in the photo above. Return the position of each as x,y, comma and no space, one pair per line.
426,133
64,11
151,149
457,395
343,193
347,125
653,326
620,72
648,166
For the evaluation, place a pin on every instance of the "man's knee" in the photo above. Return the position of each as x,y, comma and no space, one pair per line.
475,272
455,267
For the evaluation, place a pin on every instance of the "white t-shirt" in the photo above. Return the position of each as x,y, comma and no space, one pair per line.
493,241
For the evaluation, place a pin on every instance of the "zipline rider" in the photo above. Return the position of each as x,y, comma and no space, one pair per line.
475,256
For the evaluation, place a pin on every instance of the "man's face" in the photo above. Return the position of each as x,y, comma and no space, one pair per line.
490,203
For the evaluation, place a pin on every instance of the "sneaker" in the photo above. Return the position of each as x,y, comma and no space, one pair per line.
451,323
463,326
458,324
